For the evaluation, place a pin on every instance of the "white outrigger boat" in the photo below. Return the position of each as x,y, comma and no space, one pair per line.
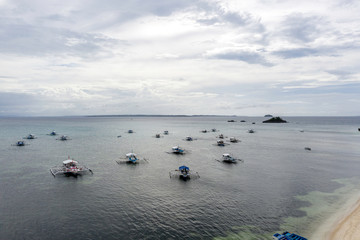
184,173
177,150
131,158
70,167
221,143
227,158
234,140
30,136
63,138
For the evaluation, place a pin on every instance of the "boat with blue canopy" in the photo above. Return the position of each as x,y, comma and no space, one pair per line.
30,136
189,139
177,150
184,173
287,236
53,133
20,143
131,158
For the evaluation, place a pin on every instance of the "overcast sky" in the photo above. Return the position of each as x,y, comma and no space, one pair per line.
179,57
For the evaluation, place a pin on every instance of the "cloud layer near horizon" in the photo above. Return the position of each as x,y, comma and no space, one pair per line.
179,57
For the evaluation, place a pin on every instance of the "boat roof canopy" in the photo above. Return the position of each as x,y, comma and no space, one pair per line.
69,161
226,155
183,168
130,154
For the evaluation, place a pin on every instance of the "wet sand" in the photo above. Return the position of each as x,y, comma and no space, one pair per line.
348,227
343,223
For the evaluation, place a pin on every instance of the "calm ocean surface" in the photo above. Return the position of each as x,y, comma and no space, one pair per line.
251,199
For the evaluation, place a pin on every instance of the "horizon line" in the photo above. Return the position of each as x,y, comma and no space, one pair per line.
168,115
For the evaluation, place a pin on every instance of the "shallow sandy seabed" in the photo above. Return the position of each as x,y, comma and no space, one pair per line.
343,225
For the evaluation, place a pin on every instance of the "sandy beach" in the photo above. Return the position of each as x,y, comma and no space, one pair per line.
344,221
348,227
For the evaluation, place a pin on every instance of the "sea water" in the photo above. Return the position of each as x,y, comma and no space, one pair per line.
272,189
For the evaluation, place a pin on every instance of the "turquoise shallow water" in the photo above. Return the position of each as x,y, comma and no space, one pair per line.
250,199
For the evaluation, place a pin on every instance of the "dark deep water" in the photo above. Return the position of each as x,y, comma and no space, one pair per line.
142,202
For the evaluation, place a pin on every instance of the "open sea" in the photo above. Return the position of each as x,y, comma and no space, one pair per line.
279,186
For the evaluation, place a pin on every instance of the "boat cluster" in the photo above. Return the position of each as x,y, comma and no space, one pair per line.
31,136
72,167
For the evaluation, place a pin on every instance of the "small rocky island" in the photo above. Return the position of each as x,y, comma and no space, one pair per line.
275,120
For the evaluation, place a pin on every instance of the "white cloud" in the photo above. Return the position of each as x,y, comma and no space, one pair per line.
179,57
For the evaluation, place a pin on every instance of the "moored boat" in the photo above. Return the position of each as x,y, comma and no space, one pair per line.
63,138
177,150
30,136
227,158
184,173
287,236
220,143
234,140
69,167
188,138
20,143
131,158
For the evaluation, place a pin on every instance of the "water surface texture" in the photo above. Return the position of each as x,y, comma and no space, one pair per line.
142,202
